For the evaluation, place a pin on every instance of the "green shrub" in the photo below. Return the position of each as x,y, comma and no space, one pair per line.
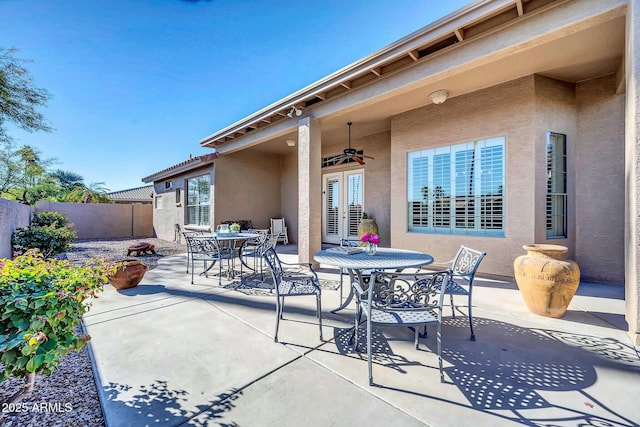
50,240
41,302
47,218
49,232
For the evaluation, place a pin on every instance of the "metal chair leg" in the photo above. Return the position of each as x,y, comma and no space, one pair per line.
369,363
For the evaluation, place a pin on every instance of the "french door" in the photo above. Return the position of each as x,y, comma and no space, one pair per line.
342,205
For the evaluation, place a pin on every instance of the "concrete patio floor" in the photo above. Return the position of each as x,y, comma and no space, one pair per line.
171,353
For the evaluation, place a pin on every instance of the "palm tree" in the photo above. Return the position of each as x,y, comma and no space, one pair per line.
67,179
33,168
96,192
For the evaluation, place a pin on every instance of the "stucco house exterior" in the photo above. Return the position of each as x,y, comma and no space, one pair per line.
505,123
173,203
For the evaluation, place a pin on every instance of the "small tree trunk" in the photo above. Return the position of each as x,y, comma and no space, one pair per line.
27,389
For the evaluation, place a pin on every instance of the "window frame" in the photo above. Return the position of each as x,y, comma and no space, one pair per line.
557,179
441,169
202,204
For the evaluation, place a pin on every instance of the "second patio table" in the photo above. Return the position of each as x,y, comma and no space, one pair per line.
384,259
230,239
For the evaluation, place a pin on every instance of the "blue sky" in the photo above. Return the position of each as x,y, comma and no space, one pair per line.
136,84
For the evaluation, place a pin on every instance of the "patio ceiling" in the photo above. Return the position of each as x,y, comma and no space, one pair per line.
590,49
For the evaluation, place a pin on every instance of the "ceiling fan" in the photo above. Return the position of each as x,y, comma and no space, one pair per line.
351,153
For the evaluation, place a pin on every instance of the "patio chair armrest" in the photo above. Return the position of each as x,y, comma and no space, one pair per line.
447,263
358,288
301,264
295,263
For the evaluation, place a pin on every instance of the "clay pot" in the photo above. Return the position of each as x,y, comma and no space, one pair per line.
128,275
367,225
546,281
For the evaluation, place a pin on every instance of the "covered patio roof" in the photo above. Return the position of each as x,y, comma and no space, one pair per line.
478,46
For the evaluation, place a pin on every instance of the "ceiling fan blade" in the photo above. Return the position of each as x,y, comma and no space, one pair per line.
358,159
368,157
342,160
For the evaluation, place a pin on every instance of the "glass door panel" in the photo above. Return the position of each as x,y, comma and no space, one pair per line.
342,205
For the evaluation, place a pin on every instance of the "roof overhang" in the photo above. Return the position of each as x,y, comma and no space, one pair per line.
448,51
182,167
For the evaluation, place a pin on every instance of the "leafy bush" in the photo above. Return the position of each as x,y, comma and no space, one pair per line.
49,232
41,302
47,218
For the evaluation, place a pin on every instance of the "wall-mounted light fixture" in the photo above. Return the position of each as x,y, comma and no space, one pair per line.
295,111
290,142
439,96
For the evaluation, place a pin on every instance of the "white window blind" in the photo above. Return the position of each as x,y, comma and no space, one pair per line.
458,189
199,200
332,214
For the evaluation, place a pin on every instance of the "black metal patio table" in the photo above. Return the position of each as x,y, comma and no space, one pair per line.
357,263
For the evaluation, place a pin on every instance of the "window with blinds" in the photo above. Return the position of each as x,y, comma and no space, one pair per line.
458,189
556,185
199,200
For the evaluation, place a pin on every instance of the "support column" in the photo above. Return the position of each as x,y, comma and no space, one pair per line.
632,171
309,190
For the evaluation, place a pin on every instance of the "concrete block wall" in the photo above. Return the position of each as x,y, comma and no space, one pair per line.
102,221
12,215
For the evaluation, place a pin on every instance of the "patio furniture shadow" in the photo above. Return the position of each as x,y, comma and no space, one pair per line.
158,404
513,368
381,351
218,298
514,371
256,284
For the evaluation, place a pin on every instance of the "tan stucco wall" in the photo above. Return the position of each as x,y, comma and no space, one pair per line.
98,220
12,215
247,186
171,212
555,111
524,110
600,195
507,109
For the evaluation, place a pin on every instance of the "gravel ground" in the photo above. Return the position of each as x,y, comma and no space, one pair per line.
69,397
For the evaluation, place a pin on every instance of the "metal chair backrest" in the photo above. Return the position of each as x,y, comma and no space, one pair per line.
466,262
274,264
201,246
408,292
270,242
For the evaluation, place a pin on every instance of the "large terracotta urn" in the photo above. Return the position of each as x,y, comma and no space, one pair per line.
546,281
128,275
367,225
